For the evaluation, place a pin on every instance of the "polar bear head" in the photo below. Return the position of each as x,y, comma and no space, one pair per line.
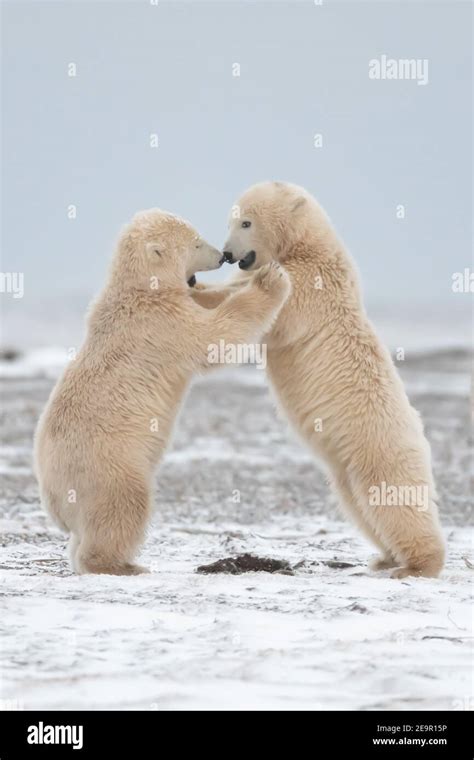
267,222
158,243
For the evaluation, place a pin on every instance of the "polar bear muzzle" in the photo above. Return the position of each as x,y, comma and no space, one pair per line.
247,260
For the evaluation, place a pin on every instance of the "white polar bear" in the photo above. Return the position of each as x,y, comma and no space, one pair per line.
109,418
335,380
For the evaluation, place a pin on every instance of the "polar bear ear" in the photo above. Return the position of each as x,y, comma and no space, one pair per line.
298,203
155,250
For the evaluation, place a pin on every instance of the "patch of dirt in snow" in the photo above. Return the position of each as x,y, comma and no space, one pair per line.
332,634
247,563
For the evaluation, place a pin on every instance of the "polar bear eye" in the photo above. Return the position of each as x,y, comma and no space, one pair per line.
246,224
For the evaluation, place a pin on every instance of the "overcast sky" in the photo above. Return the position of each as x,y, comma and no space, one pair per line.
167,69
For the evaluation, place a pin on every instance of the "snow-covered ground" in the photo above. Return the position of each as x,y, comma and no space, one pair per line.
235,481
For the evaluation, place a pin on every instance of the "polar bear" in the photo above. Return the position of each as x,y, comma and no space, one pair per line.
109,418
335,380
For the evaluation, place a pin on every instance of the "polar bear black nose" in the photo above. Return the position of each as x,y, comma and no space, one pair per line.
229,257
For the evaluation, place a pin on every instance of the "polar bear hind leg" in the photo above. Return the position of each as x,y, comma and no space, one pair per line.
113,529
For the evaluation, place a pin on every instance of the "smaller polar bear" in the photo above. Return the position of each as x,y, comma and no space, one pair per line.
110,416
335,380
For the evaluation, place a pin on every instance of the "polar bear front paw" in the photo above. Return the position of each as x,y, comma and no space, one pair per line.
273,279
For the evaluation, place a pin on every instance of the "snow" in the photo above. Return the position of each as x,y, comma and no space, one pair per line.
174,639
235,481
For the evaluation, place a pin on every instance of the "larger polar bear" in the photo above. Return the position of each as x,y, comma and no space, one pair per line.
335,380
110,416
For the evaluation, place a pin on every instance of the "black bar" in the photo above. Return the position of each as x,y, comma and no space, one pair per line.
429,734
